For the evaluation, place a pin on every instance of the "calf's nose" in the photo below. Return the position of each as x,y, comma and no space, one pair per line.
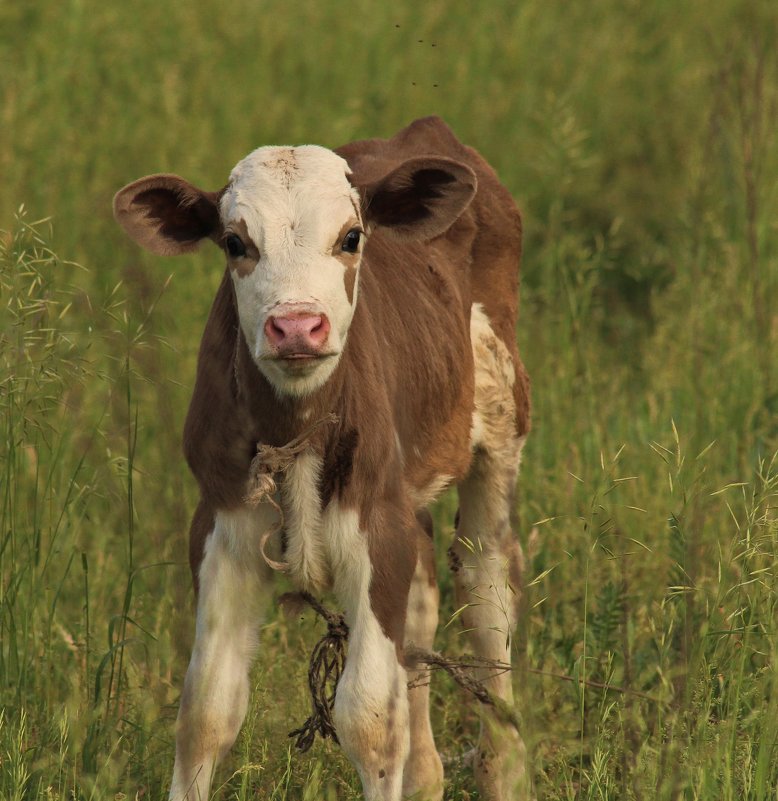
306,332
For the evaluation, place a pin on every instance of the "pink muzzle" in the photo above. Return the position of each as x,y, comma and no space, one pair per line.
297,335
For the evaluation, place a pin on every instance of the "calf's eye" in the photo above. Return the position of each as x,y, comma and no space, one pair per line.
234,246
351,241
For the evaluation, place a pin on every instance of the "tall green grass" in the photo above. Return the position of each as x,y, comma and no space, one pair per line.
639,141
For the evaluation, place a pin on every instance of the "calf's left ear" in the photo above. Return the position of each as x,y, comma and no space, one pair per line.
166,214
421,198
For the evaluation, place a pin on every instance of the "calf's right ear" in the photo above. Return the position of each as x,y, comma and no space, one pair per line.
166,214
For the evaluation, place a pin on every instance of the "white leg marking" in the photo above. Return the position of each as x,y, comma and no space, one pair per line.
371,706
234,590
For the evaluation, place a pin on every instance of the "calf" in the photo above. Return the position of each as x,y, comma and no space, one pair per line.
377,282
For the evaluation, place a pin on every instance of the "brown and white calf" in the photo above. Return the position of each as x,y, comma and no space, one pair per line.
377,282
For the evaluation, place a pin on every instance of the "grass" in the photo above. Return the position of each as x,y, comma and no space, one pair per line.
639,142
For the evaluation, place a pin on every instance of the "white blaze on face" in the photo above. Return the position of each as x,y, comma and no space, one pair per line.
295,205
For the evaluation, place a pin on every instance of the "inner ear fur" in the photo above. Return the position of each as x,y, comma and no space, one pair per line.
421,198
166,214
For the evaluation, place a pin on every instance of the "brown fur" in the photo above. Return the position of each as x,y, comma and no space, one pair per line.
495,245
426,548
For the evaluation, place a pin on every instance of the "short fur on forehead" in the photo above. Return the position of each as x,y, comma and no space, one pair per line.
284,181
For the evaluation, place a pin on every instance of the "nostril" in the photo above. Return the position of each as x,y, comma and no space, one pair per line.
274,332
310,324
320,330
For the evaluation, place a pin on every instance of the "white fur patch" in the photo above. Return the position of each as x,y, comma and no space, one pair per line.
495,375
371,705
347,556
234,591
305,549
294,202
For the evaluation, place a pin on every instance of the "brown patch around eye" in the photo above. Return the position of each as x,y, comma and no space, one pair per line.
243,265
349,279
350,260
337,250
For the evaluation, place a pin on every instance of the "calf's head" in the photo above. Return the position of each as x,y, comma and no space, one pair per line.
293,223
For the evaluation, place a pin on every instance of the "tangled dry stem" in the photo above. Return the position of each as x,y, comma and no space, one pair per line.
460,669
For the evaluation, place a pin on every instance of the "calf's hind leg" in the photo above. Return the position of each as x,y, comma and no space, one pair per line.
486,561
423,773
486,557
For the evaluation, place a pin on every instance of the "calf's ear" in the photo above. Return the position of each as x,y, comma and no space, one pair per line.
421,198
166,214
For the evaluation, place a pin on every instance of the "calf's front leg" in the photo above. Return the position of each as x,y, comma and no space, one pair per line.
233,593
371,704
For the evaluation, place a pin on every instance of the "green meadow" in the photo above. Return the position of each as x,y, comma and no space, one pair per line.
640,141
